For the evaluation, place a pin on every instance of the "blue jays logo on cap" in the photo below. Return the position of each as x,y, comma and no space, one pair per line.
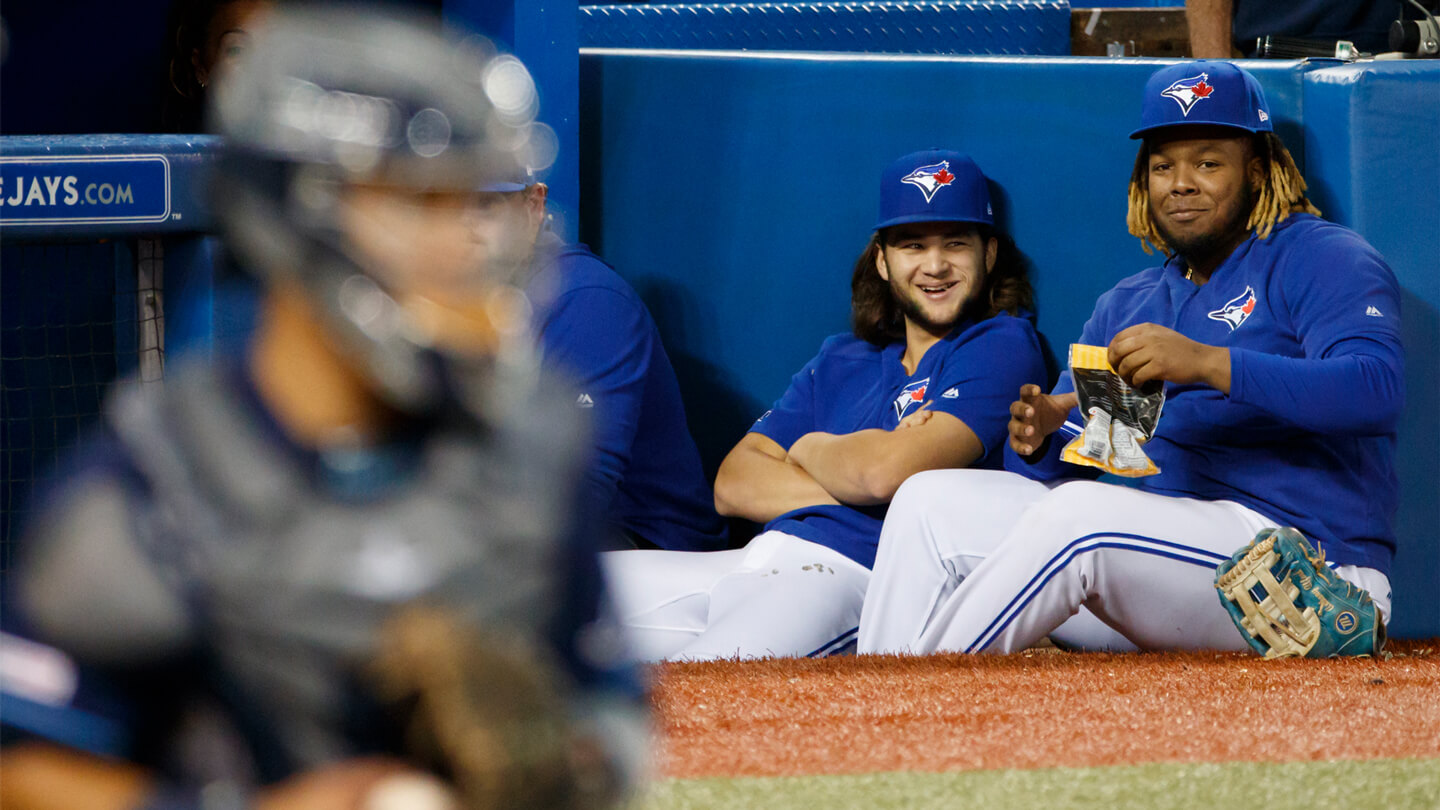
1204,92
930,179
966,197
1189,92
1236,310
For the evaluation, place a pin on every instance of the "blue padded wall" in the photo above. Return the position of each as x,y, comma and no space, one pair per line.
735,190
1036,27
1374,129
542,33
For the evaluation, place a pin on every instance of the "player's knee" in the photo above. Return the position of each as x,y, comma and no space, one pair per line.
1055,519
1078,499
912,508
918,492
927,490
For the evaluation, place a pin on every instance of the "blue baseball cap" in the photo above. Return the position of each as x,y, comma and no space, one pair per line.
1203,92
935,185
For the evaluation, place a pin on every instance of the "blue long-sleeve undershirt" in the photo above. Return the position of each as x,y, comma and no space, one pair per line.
1356,390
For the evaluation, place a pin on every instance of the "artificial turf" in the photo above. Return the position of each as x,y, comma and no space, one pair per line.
1391,784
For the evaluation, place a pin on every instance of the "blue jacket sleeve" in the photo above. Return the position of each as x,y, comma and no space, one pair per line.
604,341
1344,304
1358,390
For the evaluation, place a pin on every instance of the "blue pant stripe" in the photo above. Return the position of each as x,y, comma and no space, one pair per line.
838,641
1072,550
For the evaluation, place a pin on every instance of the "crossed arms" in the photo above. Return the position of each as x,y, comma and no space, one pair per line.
760,480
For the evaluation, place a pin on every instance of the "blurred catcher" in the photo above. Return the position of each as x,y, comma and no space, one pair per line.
356,549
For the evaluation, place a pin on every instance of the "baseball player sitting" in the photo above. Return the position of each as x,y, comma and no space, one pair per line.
645,475
1276,336
941,341
355,547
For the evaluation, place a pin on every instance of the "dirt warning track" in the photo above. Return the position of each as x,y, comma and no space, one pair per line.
1040,708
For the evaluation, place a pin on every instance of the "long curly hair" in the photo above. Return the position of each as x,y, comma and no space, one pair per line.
1281,193
877,319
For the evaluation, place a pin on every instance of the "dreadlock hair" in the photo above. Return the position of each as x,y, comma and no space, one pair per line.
877,319
1281,192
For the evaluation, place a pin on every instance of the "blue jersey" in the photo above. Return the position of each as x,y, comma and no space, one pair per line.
973,374
646,474
1307,435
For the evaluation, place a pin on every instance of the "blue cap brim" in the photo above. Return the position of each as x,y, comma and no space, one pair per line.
913,218
1143,131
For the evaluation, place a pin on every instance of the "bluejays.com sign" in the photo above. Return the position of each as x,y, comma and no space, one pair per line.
100,189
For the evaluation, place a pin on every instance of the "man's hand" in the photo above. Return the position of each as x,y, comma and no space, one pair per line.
366,784
40,776
917,418
1035,415
866,467
758,481
1148,351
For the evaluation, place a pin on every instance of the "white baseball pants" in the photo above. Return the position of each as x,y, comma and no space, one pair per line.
778,596
984,561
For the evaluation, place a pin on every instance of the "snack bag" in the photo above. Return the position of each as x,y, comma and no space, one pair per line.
1118,418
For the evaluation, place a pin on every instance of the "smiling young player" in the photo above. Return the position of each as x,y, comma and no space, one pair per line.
941,342
1277,337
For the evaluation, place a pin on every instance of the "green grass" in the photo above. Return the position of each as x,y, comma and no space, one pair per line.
1391,784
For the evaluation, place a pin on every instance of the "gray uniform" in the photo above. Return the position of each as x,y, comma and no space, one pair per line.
200,529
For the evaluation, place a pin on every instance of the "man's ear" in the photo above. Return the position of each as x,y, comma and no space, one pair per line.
202,76
992,250
1255,173
880,266
535,196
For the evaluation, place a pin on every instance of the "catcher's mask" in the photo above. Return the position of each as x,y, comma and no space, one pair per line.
332,101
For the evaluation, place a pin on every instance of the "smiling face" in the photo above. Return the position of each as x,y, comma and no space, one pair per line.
934,270
1201,183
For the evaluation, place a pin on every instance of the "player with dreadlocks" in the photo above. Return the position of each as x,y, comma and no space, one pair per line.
1281,192
1276,336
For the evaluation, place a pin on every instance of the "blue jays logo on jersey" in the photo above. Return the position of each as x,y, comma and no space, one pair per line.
1236,310
930,179
1189,92
912,395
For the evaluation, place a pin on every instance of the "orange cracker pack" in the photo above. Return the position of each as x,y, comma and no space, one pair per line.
1118,418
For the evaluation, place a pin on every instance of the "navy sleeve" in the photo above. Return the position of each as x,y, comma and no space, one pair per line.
115,706
1344,304
45,695
604,341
